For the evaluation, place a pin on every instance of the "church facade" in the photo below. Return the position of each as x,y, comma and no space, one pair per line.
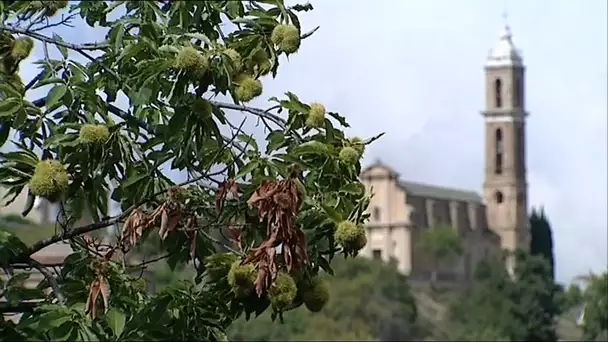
487,223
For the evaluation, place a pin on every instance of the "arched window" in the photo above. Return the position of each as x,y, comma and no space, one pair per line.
498,141
498,197
517,92
499,150
376,214
498,93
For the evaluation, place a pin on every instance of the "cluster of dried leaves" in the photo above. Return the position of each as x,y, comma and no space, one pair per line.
100,285
277,202
167,216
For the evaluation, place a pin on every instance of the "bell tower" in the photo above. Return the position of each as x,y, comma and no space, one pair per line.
505,186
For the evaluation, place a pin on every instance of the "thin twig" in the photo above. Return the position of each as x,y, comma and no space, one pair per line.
41,37
51,279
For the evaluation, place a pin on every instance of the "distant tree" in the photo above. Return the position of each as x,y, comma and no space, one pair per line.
595,319
541,238
500,307
484,312
569,297
534,306
443,245
368,300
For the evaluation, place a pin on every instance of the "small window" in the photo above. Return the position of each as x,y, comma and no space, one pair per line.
377,254
498,197
498,93
498,141
376,214
498,166
499,150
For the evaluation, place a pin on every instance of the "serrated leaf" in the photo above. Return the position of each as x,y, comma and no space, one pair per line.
10,106
353,188
10,91
199,36
62,49
55,95
332,213
48,81
116,321
133,180
247,168
313,147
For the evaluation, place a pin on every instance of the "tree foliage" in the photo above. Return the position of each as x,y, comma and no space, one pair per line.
117,113
518,308
541,237
595,296
360,308
443,245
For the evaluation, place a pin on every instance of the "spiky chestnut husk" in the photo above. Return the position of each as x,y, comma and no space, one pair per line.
22,48
203,107
94,134
235,58
350,236
286,37
357,144
52,7
316,115
50,179
315,294
291,40
16,82
190,59
247,88
219,264
261,62
282,293
349,155
278,33
241,279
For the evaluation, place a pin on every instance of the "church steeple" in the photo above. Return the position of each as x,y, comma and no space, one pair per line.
504,53
505,187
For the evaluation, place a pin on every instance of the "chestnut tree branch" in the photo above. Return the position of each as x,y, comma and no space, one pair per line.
43,38
51,279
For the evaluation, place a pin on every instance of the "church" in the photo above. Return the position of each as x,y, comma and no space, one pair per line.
486,223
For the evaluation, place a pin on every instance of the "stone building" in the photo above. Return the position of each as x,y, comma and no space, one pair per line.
497,219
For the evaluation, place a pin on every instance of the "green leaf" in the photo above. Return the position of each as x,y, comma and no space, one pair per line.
57,139
332,213
55,95
53,319
62,49
143,95
339,118
116,321
48,81
249,140
133,180
311,147
248,168
10,106
353,188
120,32
10,91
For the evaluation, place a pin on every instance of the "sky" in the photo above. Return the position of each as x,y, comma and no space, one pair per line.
414,70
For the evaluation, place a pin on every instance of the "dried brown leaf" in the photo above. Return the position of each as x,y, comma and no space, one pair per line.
104,289
91,304
164,222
